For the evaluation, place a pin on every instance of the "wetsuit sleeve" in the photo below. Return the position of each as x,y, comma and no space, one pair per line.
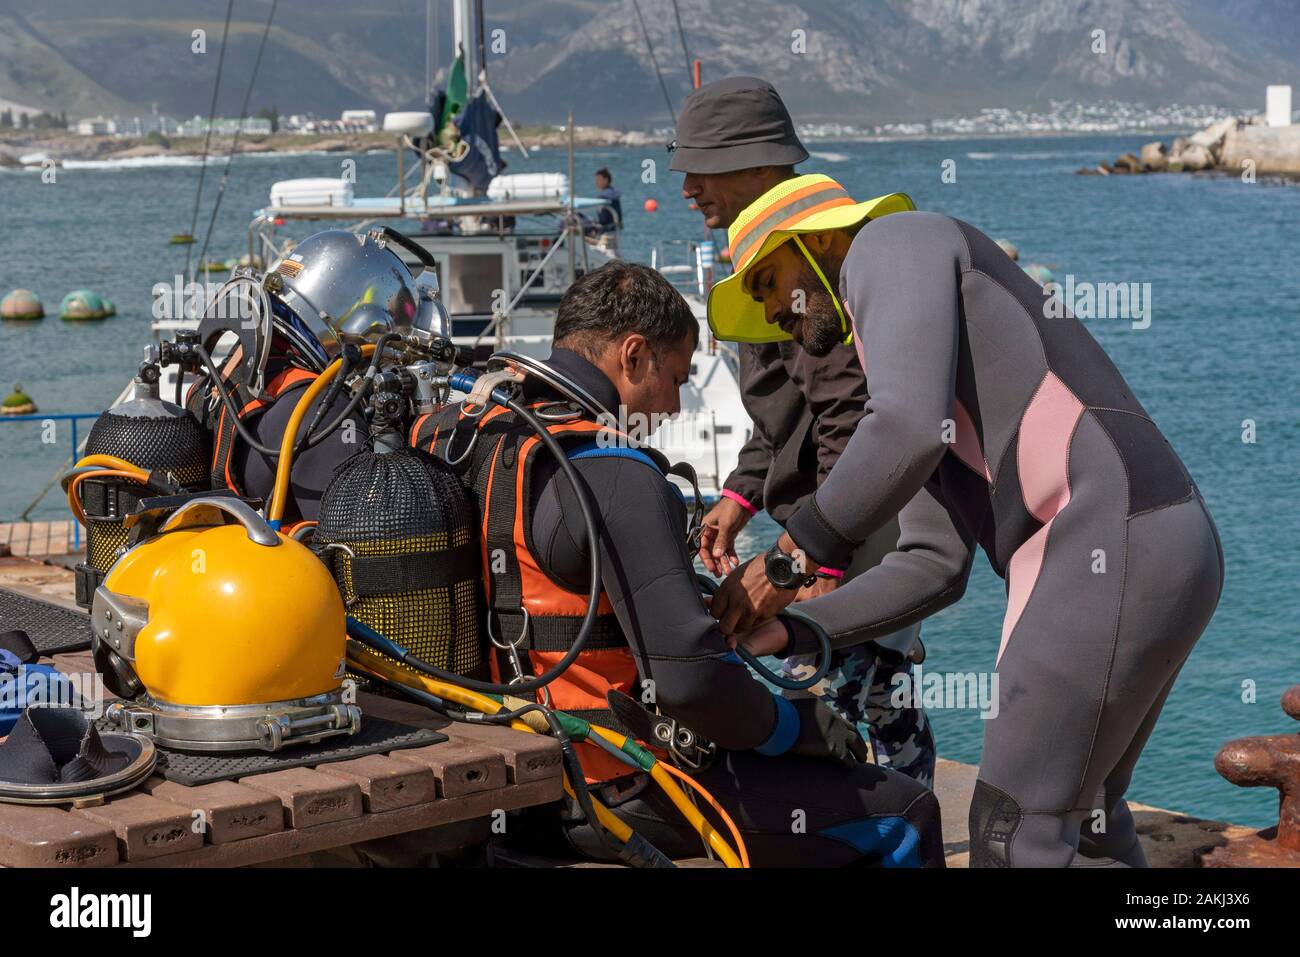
924,574
836,391
900,283
648,578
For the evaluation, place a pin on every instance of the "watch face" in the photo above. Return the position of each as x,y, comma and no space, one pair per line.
780,570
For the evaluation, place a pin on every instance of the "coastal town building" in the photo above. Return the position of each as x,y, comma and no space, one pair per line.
222,126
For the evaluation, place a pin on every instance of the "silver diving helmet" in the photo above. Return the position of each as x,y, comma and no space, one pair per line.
346,286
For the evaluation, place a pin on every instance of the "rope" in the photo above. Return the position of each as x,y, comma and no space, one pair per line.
655,63
681,32
234,142
207,137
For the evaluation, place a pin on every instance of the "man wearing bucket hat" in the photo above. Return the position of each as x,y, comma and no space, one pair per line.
995,419
735,140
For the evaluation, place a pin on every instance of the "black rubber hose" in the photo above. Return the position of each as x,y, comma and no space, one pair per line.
351,408
327,400
824,650
367,635
446,708
578,781
426,258
272,455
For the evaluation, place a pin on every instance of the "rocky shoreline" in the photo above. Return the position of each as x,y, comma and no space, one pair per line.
32,148
1235,146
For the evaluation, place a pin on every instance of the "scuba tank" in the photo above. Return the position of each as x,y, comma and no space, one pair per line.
399,532
157,436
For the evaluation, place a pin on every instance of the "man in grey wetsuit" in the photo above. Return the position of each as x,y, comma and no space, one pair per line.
994,418
735,140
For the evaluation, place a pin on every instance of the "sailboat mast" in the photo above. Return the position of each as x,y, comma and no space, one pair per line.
463,23
430,47
481,72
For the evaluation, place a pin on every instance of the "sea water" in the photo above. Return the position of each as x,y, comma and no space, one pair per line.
1215,365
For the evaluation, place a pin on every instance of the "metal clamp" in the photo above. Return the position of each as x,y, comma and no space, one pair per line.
339,546
464,455
570,412
116,620
511,648
687,748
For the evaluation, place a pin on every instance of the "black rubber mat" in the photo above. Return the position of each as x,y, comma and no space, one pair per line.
52,628
377,735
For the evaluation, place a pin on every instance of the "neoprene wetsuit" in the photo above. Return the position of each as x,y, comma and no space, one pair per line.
851,815
995,420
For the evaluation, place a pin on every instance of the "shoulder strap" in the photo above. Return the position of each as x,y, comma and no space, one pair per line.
591,449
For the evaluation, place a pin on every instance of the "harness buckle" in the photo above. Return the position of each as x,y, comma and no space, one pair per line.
687,748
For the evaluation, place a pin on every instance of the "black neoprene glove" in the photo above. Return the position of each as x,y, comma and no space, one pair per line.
824,734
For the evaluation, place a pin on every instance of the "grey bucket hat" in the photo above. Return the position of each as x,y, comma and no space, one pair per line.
734,123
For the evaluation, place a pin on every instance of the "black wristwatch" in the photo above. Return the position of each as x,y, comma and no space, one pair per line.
783,570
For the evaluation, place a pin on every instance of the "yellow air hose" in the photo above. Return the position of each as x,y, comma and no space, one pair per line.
280,492
659,774
373,662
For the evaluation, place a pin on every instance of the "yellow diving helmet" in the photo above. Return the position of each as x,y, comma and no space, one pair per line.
224,637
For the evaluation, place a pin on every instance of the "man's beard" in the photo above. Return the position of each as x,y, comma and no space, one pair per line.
821,327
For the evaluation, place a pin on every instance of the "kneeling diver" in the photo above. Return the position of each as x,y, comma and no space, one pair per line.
789,772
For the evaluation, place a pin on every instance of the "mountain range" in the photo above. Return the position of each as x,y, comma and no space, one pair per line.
853,61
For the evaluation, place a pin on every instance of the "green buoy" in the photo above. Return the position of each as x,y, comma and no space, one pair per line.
1039,273
17,402
181,239
82,305
21,304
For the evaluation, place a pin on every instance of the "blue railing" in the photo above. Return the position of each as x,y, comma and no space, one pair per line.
74,418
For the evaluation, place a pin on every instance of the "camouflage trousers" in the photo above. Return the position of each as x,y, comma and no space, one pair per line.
860,687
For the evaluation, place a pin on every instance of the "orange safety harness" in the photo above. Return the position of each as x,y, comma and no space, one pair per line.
534,618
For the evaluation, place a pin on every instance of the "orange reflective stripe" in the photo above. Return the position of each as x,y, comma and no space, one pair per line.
760,219
749,253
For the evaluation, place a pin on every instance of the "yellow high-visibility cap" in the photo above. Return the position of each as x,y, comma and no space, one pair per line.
805,204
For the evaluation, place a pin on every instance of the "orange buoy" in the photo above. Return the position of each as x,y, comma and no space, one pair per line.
651,205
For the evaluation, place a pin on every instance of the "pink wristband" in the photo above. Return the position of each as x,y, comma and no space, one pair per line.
728,493
831,572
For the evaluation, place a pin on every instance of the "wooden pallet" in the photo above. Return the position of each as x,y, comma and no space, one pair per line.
37,539
282,815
